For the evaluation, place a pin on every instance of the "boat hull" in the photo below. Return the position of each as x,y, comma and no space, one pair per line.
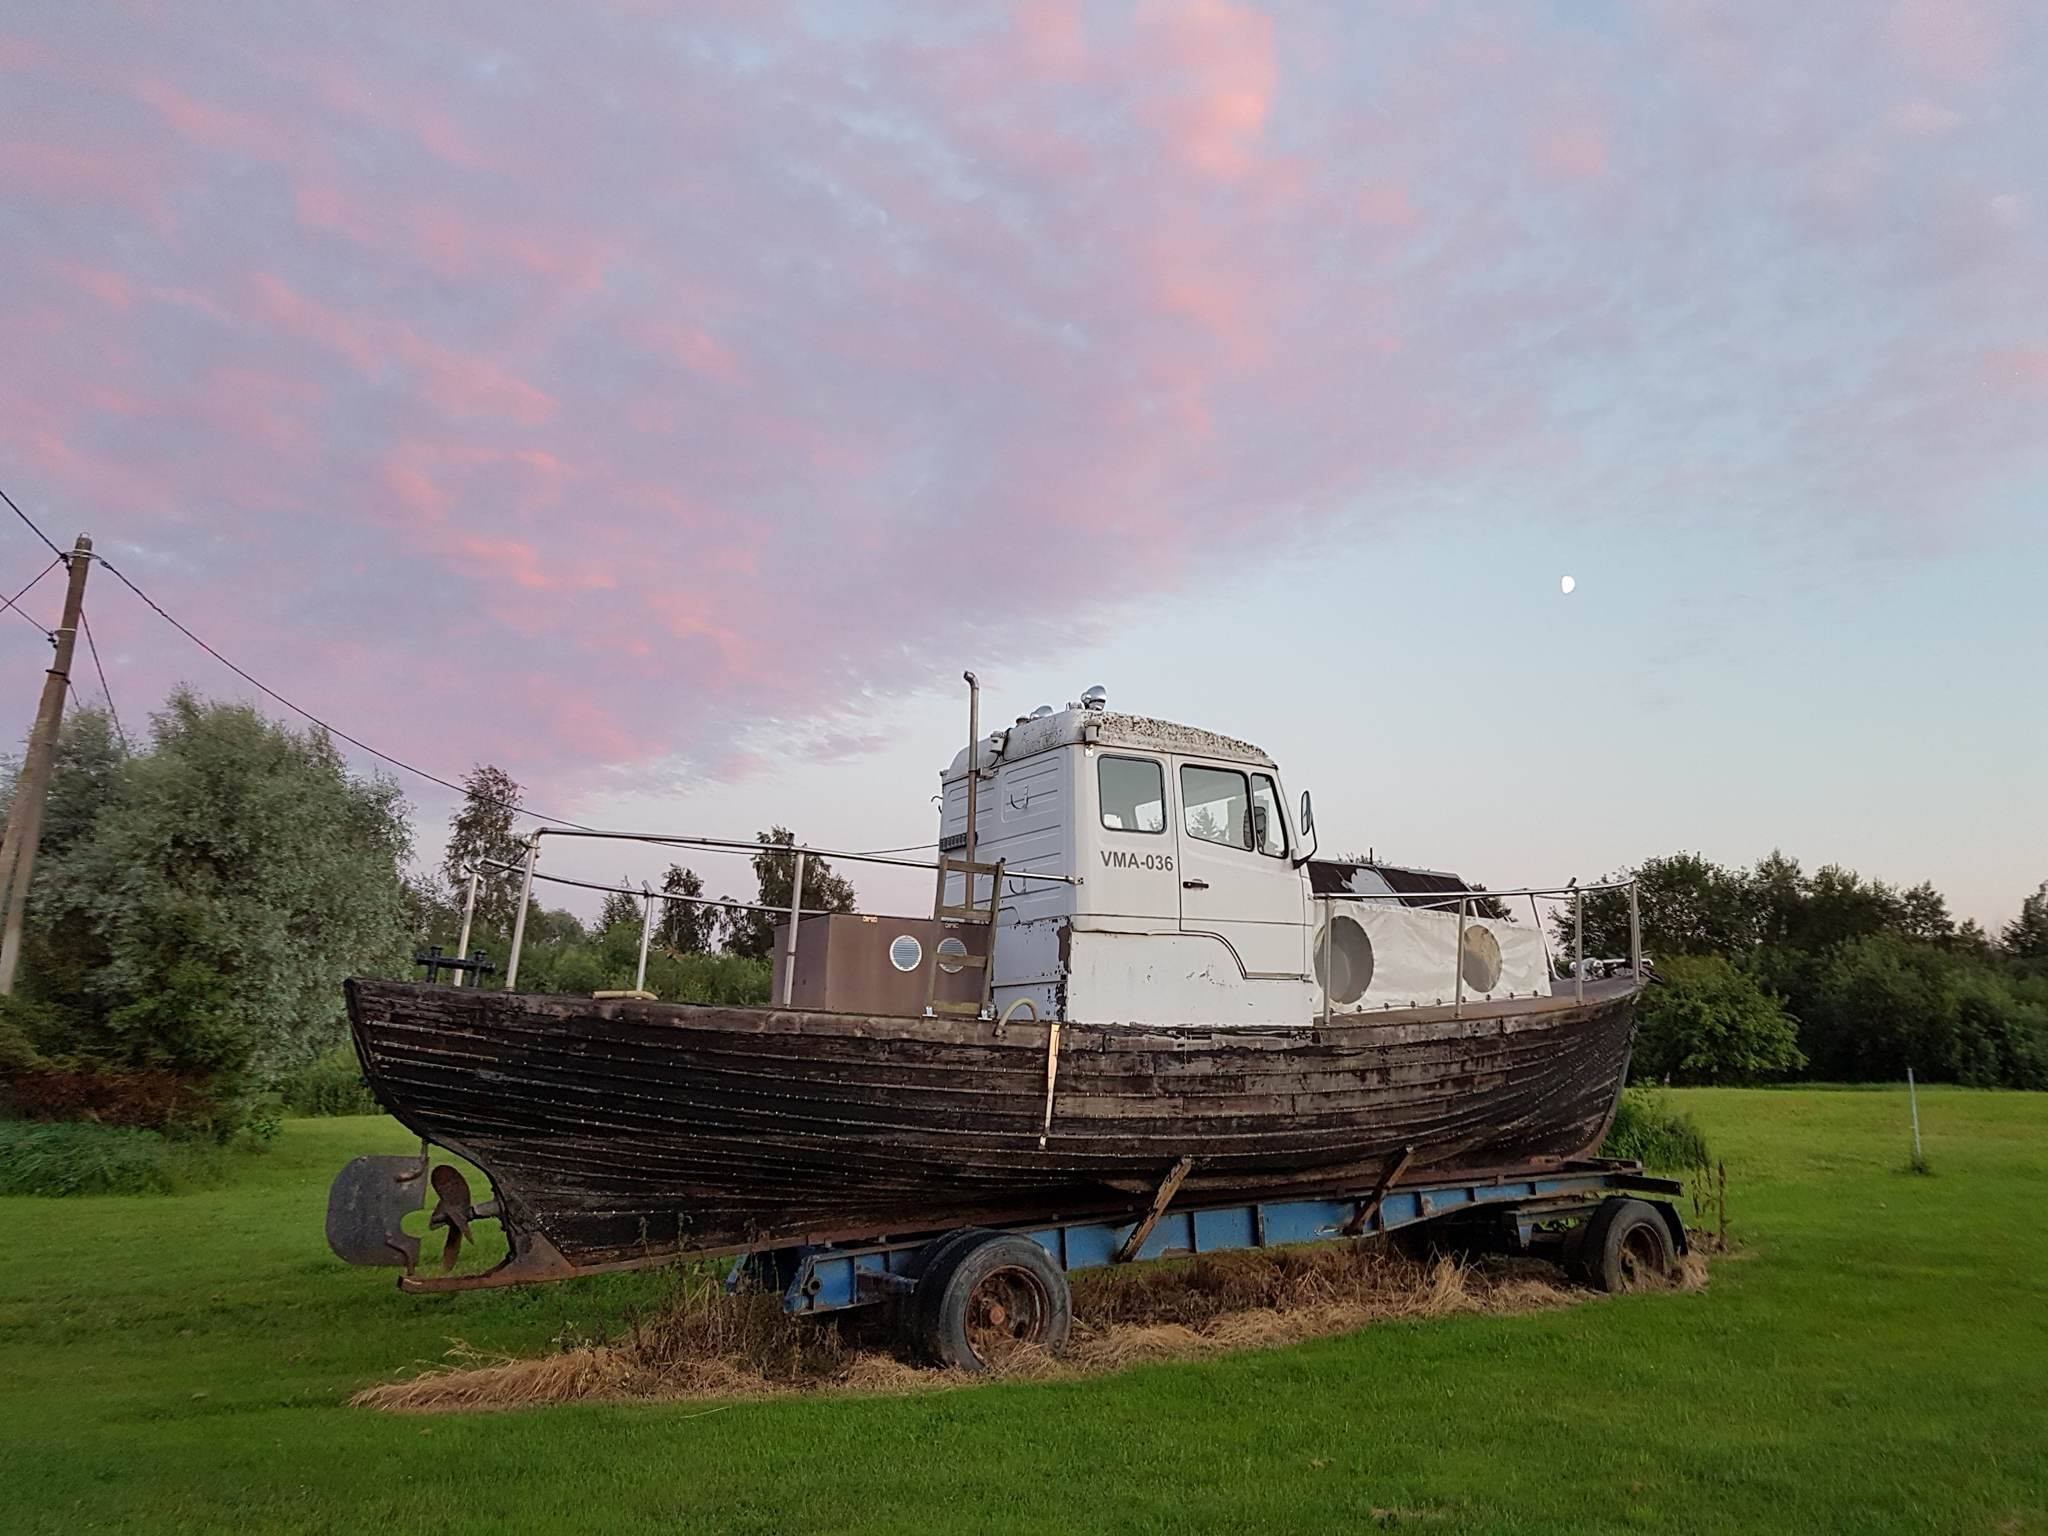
620,1131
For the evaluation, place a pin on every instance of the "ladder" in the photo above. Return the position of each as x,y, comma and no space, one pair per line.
971,872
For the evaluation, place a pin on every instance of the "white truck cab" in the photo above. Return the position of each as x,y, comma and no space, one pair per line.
1194,902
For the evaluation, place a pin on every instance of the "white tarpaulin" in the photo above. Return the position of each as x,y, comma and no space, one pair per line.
1414,953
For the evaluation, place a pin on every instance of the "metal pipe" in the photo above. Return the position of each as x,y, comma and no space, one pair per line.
973,778
1433,897
519,918
1579,946
688,901
1458,963
731,845
646,933
1635,933
796,896
1329,927
476,877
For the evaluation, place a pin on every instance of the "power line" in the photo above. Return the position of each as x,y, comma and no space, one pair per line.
11,601
86,624
32,525
333,730
296,708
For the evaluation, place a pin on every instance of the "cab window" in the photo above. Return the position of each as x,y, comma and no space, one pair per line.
1267,827
1215,806
1133,794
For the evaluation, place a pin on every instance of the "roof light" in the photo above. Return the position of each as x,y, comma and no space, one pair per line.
1096,698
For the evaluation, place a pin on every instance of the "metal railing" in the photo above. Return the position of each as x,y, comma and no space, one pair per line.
1441,901
798,852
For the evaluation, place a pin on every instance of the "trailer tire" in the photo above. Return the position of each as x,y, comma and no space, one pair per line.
984,1297
1626,1246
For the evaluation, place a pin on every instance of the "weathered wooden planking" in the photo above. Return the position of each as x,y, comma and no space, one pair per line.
620,1128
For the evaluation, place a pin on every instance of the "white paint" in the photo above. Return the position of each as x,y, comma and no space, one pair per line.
1166,927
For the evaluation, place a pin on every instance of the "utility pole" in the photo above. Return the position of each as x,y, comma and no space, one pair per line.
25,822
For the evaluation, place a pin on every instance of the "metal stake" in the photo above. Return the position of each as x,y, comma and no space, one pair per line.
796,901
1458,964
646,933
519,918
1579,946
468,916
1913,1099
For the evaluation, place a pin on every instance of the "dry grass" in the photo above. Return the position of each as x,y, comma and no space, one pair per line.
707,1345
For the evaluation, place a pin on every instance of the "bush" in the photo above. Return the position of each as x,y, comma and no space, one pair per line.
80,1158
330,1084
1711,1023
1647,1129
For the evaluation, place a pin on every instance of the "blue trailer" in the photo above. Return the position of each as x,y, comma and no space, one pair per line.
963,1297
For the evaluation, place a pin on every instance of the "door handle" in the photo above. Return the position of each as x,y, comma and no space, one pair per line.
1194,885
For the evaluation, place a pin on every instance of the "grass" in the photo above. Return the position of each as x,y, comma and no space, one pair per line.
1877,1359
82,1158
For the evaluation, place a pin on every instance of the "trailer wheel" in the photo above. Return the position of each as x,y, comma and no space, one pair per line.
1626,1247
986,1296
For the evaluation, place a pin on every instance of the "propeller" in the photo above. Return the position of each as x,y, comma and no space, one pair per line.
451,1210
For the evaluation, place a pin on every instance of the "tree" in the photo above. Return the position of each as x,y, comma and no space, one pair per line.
1689,905
753,933
620,907
1711,1023
1923,915
483,829
200,919
686,927
2026,936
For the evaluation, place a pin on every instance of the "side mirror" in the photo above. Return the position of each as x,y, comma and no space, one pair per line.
1307,821
1259,821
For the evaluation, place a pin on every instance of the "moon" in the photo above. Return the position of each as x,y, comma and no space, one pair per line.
1565,585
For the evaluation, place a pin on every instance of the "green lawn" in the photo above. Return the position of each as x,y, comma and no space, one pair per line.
1877,1361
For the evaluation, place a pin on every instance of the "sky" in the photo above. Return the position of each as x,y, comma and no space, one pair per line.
667,403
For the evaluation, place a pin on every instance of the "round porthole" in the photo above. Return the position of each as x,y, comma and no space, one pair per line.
952,956
1481,960
1342,944
905,953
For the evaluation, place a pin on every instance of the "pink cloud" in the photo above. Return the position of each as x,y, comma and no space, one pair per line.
1388,205
583,361
214,126
1954,39
1217,72
1573,150
1924,119
110,288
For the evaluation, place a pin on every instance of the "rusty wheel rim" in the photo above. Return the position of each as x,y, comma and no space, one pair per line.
1642,1260
1008,1311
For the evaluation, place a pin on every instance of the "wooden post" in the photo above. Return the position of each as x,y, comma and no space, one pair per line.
25,825
1168,1188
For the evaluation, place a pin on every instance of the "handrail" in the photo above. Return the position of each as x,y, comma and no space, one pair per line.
1466,900
733,845
799,852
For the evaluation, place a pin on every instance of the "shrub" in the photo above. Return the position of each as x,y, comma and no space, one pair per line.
1647,1129
81,1158
330,1084
151,1100
1711,1023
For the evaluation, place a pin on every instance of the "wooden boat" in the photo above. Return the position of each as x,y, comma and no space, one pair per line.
1063,1033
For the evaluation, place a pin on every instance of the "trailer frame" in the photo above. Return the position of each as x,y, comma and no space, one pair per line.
1524,1210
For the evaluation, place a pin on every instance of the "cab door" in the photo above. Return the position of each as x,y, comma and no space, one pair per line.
1237,876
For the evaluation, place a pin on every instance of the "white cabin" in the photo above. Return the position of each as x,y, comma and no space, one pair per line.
1194,901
